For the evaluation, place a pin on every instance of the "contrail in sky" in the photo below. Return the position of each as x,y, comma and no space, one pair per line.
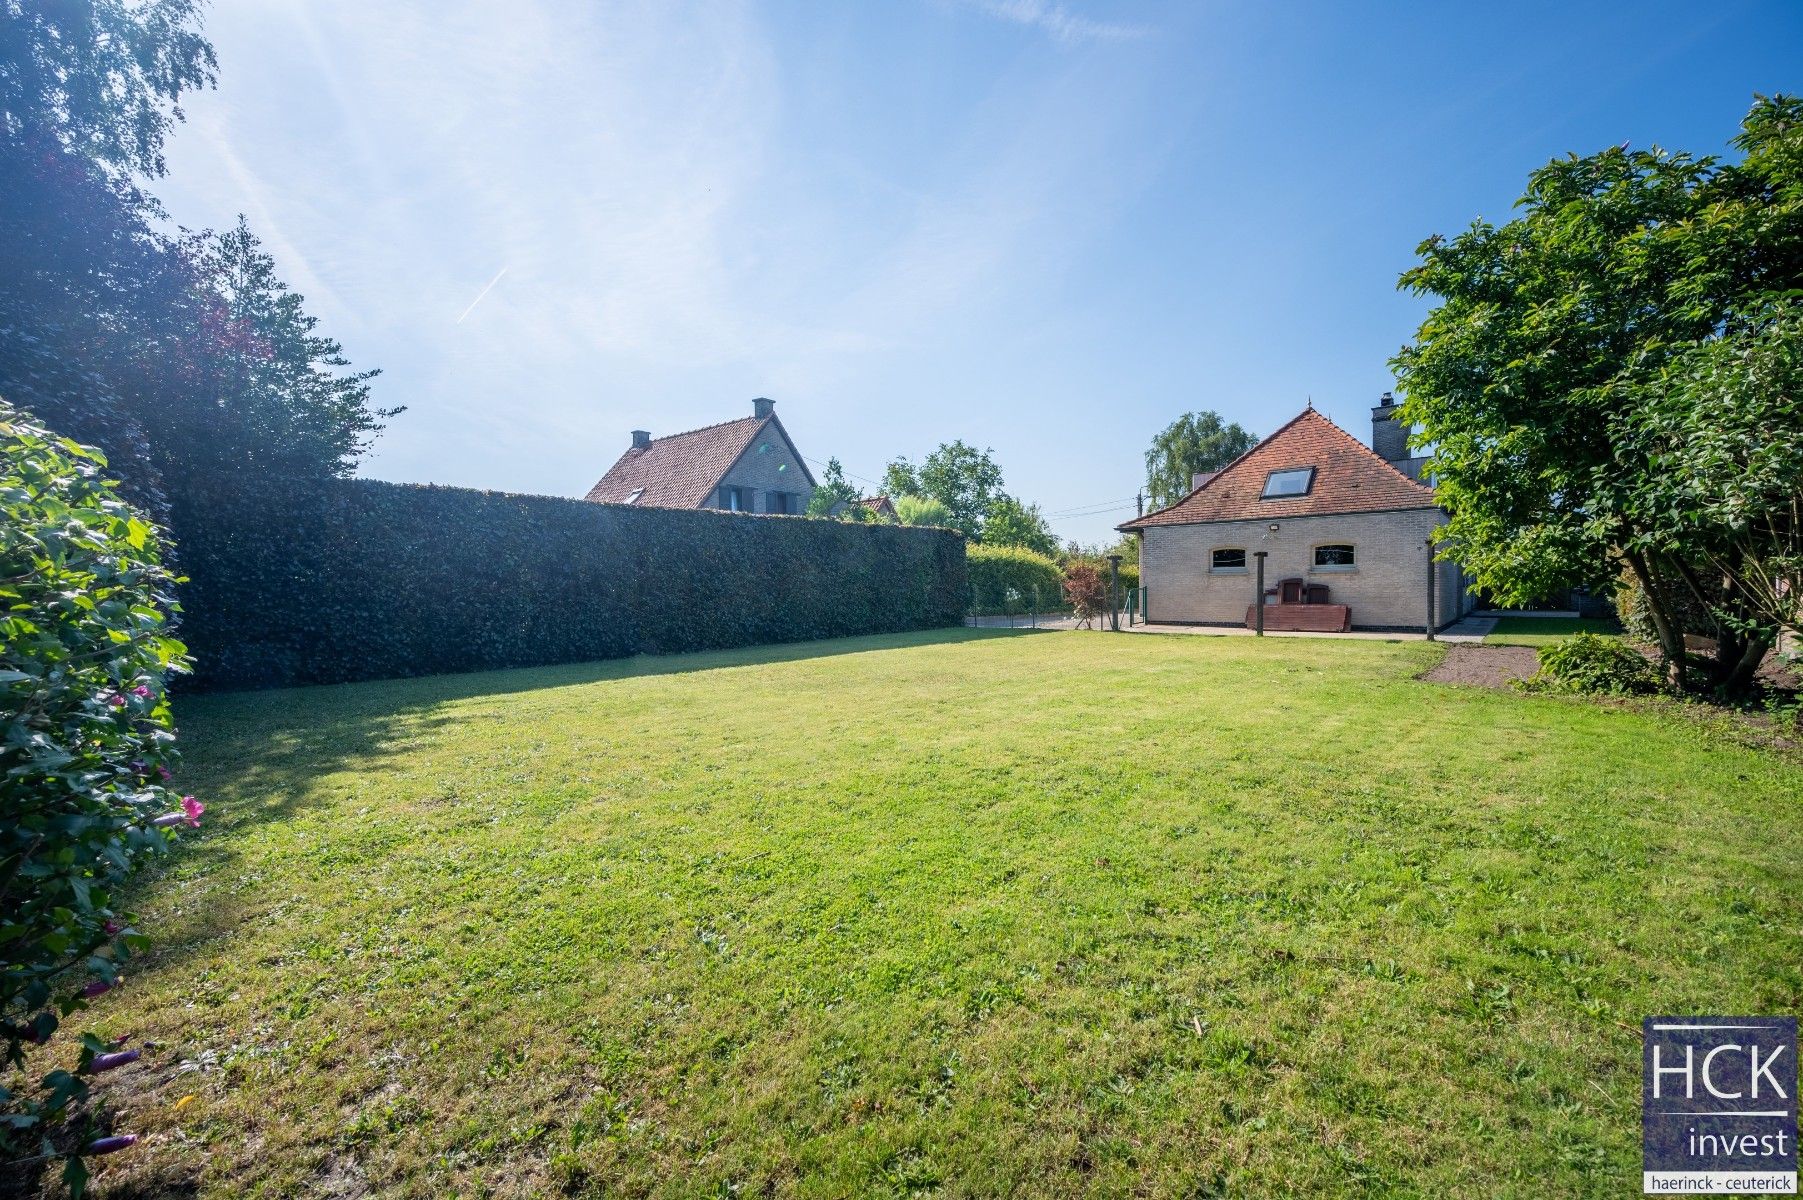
482,293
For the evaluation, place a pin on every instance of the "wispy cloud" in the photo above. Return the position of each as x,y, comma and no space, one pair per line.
677,229
1059,22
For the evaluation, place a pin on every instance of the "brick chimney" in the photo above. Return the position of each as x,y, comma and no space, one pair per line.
641,439
1389,437
761,407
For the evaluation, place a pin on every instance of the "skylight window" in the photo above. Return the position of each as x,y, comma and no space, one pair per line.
633,496
1294,482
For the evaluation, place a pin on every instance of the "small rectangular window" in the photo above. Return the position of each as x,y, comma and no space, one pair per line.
633,497
1228,558
735,499
1334,556
777,502
1294,482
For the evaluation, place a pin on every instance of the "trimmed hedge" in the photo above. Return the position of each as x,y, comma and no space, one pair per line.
1004,579
323,581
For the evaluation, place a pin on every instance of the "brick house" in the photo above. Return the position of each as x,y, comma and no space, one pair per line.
1343,528
748,465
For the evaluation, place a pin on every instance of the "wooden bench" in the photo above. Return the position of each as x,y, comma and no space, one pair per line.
1302,618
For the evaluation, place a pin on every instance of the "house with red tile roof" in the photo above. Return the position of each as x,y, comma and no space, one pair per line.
1340,531
749,465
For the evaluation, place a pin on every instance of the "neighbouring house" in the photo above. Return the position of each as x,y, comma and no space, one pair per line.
880,507
1343,529
748,465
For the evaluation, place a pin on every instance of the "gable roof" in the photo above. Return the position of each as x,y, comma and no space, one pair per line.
683,469
1349,477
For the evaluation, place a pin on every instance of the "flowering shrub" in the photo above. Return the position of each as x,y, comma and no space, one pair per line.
86,744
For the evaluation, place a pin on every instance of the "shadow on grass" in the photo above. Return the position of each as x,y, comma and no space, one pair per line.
255,757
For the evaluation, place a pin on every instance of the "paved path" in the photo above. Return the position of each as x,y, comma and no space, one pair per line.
1469,629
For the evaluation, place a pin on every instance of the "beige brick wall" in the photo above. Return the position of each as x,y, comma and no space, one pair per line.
765,471
1387,587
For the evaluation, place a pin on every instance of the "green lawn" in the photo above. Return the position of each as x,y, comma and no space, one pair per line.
975,913
1544,631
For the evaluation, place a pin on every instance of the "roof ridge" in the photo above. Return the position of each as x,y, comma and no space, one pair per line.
704,428
1374,454
1217,473
1328,429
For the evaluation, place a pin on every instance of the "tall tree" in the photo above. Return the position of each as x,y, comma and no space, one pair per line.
835,490
180,357
100,80
272,394
1586,355
1011,523
961,477
1191,445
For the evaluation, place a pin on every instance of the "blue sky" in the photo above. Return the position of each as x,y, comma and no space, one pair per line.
1043,227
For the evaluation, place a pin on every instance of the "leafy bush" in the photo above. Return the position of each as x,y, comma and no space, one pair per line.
1588,662
922,510
1129,570
1012,579
1085,590
85,758
325,580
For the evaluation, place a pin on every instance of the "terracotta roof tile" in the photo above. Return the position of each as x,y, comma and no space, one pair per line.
1349,477
679,471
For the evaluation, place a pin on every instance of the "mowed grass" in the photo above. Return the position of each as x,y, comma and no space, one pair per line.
1544,631
969,914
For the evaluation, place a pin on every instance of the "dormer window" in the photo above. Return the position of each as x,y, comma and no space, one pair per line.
1283,484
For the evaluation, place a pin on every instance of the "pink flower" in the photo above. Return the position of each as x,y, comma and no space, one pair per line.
116,700
164,772
141,692
108,1145
192,808
98,987
115,1058
113,928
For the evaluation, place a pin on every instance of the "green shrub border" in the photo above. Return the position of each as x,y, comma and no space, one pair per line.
324,581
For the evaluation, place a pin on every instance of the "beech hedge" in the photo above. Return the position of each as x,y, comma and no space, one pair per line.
328,580
1013,579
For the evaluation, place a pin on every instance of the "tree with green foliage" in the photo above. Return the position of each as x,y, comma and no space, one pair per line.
1609,380
835,490
100,80
180,356
961,477
1191,445
1012,523
273,393
922,510
86,747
